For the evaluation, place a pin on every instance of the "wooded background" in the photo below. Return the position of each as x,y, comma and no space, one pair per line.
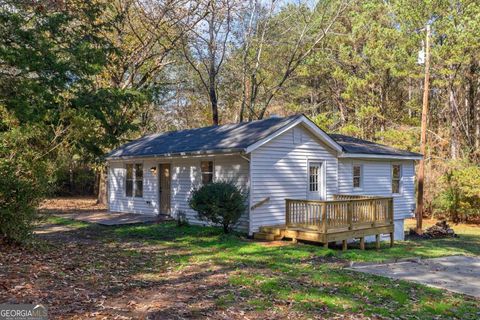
78,79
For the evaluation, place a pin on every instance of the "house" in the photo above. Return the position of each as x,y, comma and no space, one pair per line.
275,159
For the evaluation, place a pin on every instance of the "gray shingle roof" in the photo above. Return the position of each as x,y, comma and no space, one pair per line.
225,138
233,138
355,145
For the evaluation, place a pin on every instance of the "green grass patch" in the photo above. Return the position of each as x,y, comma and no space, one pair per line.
308,277
66,222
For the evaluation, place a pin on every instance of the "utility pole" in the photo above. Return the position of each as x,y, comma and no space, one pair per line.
423,138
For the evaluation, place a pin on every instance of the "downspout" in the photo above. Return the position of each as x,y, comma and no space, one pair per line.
243,156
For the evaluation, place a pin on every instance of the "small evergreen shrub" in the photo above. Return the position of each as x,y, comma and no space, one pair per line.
220,203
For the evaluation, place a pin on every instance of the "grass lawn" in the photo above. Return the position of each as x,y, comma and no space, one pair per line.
167,272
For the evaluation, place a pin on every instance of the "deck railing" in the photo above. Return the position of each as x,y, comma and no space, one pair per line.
346,212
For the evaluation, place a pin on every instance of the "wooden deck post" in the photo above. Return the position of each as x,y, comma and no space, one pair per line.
362,243
325,245
287,212
344,245
391,239
324,218
377,241
350,215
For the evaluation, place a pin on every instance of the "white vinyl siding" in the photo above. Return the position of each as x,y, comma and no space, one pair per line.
186,175
119,202
377,180
279,170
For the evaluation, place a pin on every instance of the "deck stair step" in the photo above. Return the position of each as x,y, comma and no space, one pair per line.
263,236
273,230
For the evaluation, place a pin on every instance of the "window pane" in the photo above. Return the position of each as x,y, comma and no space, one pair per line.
396,171
314,170
356,171
207,166
357,175
356,182
207,171
138,171
138,188
129,180
395,186
129,171
207,178
129,188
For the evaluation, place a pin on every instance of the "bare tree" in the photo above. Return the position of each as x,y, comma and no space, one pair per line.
144,33
205,47
147,31
303,32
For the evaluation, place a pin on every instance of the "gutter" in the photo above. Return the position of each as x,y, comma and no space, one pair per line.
380,156
231,151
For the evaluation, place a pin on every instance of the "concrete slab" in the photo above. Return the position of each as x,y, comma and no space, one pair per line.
113,218
459,274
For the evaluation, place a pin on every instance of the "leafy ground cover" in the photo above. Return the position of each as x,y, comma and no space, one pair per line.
162,271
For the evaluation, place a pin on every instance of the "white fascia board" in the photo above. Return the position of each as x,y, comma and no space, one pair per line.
378,156
181,155
311,126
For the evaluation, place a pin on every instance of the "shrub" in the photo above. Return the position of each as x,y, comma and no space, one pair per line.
221,203
23,181
459,197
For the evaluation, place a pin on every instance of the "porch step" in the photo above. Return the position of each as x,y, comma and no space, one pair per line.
277,231
263,236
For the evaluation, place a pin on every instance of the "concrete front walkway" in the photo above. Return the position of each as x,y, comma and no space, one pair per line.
459,274
112,218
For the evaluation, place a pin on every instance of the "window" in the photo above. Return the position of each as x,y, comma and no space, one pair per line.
396,177
314,172
357,176
138,180
207,171
134,180
129,181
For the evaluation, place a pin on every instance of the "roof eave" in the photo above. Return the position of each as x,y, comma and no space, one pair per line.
181,154
380,156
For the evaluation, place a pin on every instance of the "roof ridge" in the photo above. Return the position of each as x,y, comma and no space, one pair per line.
225,125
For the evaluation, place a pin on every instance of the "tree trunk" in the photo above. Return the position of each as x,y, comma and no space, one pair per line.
102,186
214,103
470,103
454,141
477,126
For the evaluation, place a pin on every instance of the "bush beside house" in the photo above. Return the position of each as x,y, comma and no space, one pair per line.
221,203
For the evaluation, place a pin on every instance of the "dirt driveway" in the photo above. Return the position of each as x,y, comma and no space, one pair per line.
459,274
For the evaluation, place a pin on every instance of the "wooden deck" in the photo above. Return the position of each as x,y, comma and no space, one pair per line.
344,218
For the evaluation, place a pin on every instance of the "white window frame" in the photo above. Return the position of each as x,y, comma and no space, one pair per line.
201,172
134,178
360,187
322,190
400,179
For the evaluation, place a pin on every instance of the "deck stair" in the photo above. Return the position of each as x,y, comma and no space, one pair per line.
270,233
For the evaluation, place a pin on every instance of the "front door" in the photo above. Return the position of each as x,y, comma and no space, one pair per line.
164,192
